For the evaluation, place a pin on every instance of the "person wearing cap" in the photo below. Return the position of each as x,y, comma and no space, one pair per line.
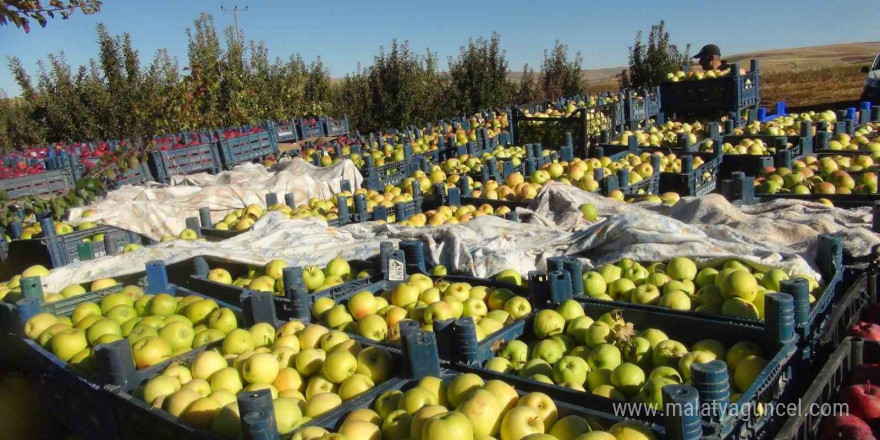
710,58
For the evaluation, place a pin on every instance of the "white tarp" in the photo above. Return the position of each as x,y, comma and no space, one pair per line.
160,210
781,234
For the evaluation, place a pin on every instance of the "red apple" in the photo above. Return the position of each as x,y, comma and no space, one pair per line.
865,330
863,401
845,427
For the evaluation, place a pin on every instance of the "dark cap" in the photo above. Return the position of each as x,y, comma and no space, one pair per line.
709,49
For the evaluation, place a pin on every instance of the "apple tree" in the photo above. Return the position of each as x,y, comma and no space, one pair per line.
21,12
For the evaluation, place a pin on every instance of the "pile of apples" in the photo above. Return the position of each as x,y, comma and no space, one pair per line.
20,169
158,327
751,147
308,369
695,75
376,316
665,135
828,175
468,408
10,291
446,215
731,289
606,356
863,139
270,278
788,125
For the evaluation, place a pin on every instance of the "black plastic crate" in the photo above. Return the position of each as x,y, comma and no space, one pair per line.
186,160
787,149
53,251
694,182
135,176
311,127
79,402
336,127
46,183
249,148
715,96
834,375
740,189
585,125
285,131
641,107
778,340
378,176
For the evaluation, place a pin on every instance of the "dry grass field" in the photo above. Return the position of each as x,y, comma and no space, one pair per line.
802,77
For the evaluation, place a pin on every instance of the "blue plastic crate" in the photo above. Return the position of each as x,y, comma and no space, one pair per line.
186,160
47,183
310,128
810,320
78,401
285,131
135,176
336,127
378,176
778,112
55,251
770,386
713,97
248,148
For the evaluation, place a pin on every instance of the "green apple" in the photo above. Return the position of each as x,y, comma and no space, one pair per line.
178,335
498,298
548,350
681,268
198,311
740,351
72,290
207,363
339,365
373,327
570,369
668,353
520,422
102,327
451,424
577,327
404,294
338,267
548,323
321,403
81,311
238,341
261,368
569,427
67,343
483,409
597,378
610,273
387,403
313,277
375,363
518,307
150,351
227,422
594,283
273,269
694,357
604,356
414,399
354,386
206,337
654,336
362,304
461,387
543,404
263,334
162,304
421,416
178,371
309,361
510,276
160,386
287,415
220,275
114,299
39,323
121,313
515,351
177,404
311,334
222,319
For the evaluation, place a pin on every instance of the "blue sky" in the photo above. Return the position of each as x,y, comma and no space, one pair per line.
345,32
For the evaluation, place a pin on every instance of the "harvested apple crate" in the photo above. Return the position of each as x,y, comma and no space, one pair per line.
843,386
858,303
599,355
740,189
752,153
435,402
310,374
56,249
532,125
668,287
227,279
731,92
65,354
